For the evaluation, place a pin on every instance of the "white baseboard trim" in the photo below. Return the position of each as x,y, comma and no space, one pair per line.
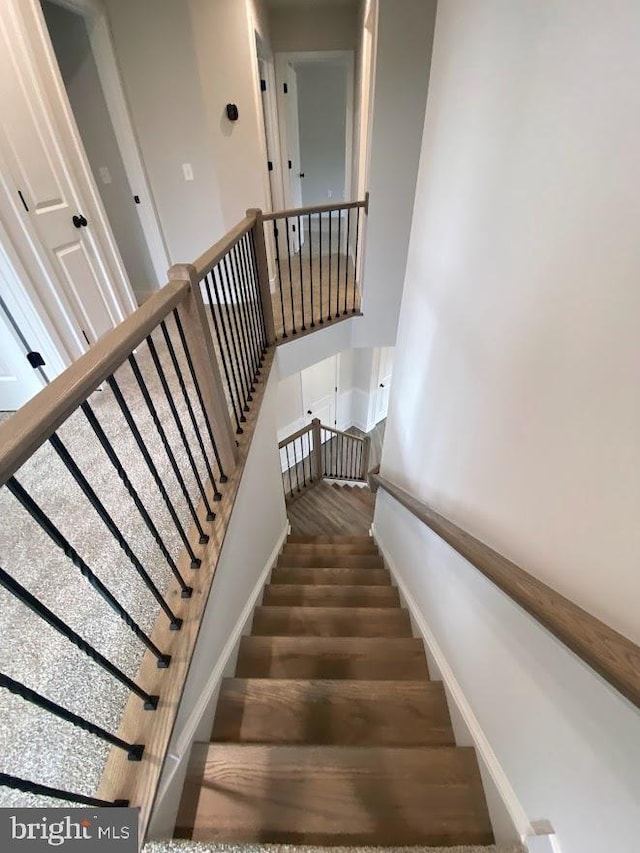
510,802
346,482
183,746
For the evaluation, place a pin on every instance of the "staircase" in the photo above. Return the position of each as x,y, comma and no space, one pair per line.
331,733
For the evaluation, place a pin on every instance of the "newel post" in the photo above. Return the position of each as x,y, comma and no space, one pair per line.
263,274
317,447
365,457
205,364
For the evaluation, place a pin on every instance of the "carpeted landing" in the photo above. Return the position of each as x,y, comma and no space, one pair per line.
176,846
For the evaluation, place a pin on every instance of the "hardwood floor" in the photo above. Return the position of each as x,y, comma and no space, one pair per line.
332,510
331,732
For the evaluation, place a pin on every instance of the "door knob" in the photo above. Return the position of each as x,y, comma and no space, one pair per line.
309,412
79,221
382,384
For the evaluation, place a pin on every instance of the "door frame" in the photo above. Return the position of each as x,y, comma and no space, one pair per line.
282,59
98,29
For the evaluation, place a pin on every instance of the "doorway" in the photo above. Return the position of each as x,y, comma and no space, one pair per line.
81,78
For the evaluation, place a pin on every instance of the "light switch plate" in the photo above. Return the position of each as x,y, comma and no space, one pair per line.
105,175
187,171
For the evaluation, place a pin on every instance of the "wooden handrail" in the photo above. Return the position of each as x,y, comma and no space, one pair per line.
302,431
318,208
342,432
209,259
609,653
26,430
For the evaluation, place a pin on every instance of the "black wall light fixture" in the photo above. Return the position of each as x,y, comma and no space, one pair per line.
232,112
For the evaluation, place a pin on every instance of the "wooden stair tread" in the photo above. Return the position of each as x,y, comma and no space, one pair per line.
331,622
339,795
317,561
331,595
384,713
339,539
324,576
331,657
320,548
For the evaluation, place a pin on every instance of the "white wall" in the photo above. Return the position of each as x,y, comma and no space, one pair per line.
181,63
515,405
328,27
259,510
403,52
78,68
322,116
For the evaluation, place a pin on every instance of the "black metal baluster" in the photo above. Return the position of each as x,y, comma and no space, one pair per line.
54,533
250,325
346,263
216,279
236,340
192,415
275,239
313,317
330,266
323,443
293,310
196,385
304,473
186,591
241,316
286,447
176,417
341,442
338,275
134,751
260,308
295,459
304,325
165,443
30,601
321,321
236,405
124,408
247,287
355,262
27,787
112,527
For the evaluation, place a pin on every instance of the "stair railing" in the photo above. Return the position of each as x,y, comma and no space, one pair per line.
317,259
148,431
318,452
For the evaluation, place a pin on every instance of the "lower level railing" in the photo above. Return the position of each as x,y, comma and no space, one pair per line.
316,452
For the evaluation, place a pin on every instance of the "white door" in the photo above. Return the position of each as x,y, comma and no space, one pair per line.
50,208
294,169
385,371
319,392
19,382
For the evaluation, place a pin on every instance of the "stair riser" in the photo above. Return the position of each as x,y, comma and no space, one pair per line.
327,657
349,561
350,577
331,622
349,713
331,596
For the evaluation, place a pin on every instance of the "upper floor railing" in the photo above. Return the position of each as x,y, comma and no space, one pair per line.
318,452
318,259
119,478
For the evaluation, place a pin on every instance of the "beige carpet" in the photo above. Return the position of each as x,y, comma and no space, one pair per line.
176,846
33,744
